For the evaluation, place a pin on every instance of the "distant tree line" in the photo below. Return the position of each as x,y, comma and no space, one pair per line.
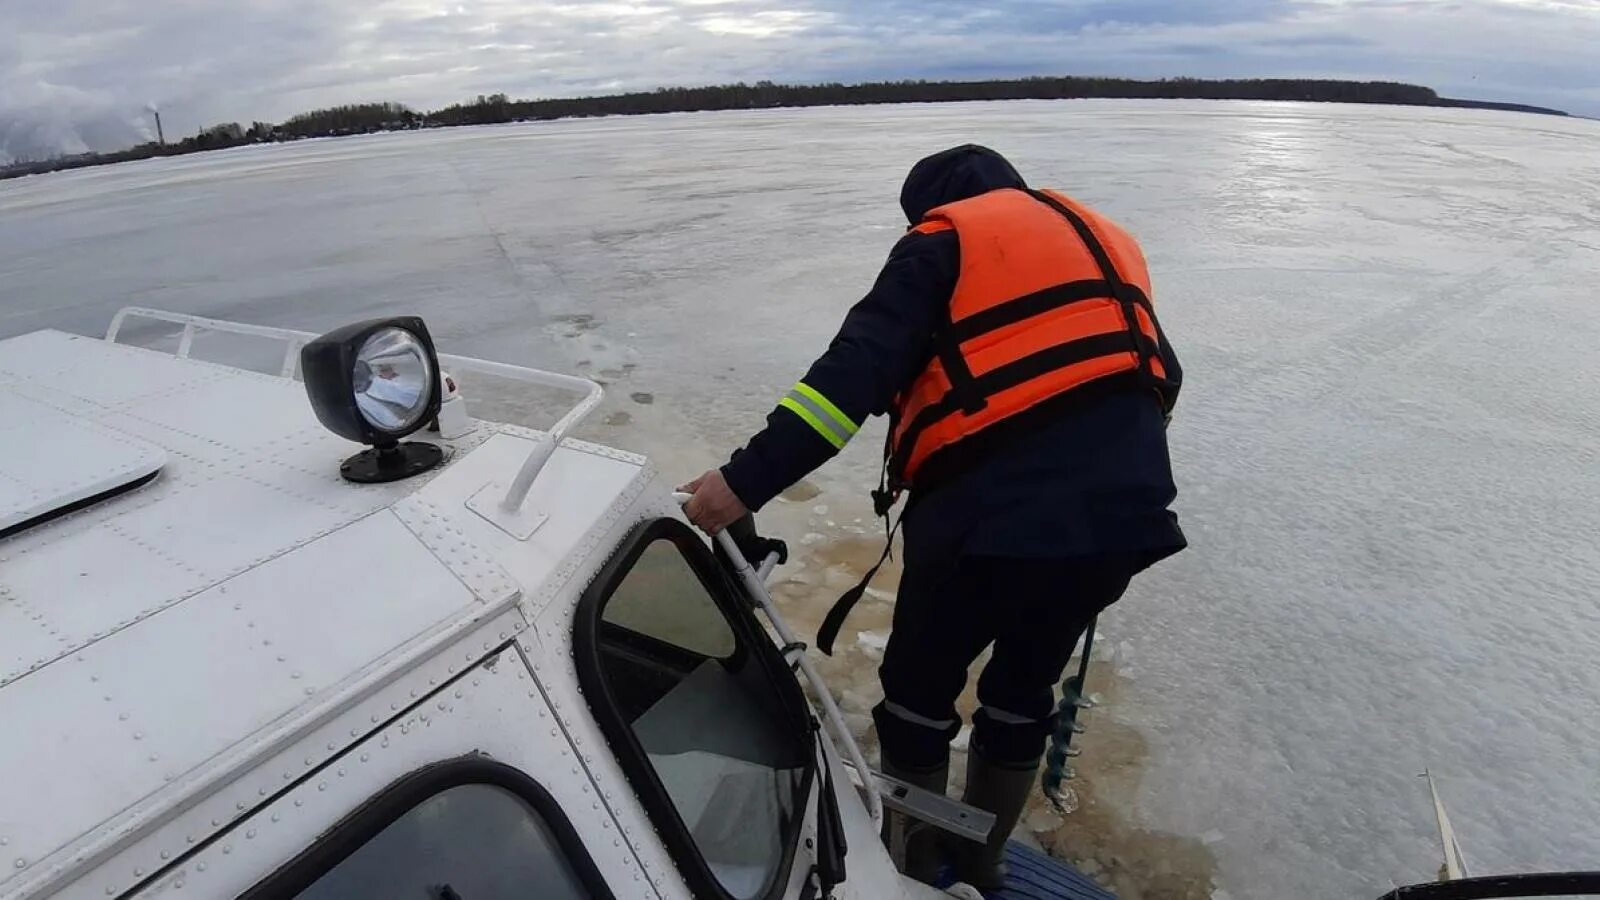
356,119
494,108
767,95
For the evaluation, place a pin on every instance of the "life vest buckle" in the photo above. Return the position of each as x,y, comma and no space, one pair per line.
883,500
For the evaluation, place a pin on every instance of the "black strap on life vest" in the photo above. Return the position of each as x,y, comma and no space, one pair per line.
883,501
1127,295
828,632
963,388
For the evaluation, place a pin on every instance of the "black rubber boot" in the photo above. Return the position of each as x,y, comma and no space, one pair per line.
1004,791
924,854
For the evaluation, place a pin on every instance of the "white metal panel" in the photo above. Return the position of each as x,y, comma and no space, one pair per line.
390,694
249,476
495,710
76,592
30,640
157,555
255,410
152,704
228,523
107,374
50,460
582,490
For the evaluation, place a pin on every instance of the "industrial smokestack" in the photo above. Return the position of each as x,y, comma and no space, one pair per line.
160,135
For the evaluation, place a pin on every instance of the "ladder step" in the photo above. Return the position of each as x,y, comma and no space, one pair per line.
937,810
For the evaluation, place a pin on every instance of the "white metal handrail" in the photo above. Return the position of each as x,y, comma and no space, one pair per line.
592,392
755,582
291,353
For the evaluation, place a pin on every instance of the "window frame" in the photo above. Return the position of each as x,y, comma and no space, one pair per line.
387,806
749,638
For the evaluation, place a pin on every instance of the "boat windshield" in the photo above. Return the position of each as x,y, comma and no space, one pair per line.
708,716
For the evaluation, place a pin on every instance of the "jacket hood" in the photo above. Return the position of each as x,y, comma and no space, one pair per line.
959,173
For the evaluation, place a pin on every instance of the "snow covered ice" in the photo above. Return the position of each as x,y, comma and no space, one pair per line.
1386,448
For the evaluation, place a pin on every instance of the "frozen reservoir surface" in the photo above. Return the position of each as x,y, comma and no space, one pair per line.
1388,446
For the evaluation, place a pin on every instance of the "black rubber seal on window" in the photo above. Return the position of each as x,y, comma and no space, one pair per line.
394,801
630,754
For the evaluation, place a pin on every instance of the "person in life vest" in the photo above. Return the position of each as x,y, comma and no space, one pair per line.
1012,340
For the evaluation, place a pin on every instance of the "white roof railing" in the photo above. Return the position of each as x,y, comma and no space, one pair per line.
592,392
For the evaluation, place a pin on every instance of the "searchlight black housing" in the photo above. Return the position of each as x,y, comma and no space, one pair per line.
375,382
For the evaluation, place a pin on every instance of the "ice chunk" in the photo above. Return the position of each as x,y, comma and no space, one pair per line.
876,640
858,723
1026,838
1044,820
962,739
853,701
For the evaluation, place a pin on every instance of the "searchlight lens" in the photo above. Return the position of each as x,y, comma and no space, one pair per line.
375,382
392,379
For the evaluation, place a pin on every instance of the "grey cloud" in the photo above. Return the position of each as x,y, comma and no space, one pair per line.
77,73
1317,41
1032,16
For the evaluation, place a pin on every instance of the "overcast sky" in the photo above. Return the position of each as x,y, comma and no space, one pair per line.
77,74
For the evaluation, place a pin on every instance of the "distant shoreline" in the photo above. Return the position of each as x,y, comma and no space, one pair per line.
498,108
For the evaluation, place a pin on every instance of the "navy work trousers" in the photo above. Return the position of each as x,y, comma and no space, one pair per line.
1033,611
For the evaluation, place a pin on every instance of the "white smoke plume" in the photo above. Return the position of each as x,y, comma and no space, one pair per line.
40,120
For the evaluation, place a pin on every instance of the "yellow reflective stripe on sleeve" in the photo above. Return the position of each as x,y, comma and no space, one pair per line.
850,428
804,412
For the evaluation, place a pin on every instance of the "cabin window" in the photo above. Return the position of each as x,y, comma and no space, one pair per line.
705,717
466,830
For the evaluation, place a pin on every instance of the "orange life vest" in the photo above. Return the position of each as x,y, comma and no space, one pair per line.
1052,304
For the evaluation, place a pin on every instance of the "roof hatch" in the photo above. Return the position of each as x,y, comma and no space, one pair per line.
53,462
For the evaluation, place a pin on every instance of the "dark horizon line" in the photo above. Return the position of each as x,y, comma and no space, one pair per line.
499,108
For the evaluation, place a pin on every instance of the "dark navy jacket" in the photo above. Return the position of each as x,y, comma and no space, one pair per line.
1096,482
